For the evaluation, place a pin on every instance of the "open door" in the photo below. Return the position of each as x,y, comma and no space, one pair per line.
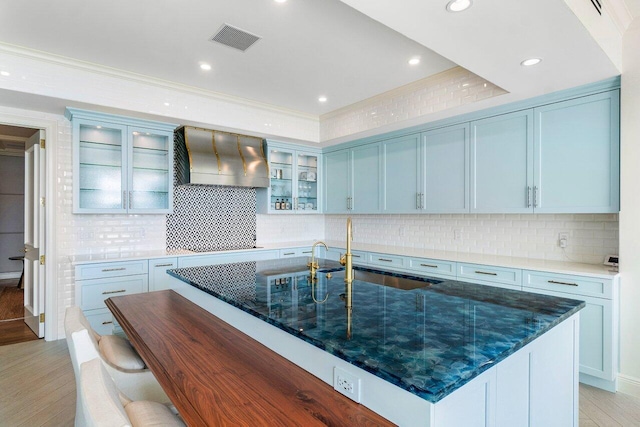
34,216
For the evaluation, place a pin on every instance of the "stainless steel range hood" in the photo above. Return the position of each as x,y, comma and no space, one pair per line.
221,158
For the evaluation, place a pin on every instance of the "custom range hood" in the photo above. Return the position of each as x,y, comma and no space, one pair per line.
222,158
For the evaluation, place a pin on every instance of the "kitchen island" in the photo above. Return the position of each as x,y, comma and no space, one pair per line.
416,350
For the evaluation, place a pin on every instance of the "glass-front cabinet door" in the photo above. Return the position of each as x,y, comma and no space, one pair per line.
282,177
100,168
307,173
294,181
121,164
150,170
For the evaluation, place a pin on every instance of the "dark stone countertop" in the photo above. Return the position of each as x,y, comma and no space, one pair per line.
427,336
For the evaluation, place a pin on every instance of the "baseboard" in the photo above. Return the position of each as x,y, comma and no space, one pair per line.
13,275
599,382
629,385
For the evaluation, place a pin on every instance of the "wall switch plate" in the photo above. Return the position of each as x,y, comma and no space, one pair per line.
346,383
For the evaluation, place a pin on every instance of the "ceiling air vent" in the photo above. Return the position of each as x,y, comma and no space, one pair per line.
235,37
597,5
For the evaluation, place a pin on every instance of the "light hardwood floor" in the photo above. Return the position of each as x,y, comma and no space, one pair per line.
38,389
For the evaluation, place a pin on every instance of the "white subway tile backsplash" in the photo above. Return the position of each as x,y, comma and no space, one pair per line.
591,237
449,89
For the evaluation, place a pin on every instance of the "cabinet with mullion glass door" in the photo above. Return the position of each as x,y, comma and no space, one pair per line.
151,170
293,182
121,164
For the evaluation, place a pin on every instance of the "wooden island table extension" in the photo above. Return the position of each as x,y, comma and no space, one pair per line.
216,375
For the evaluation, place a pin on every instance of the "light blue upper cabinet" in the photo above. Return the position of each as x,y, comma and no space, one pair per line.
121,164
445,170
365,174
336,181
352,180
502,163
577,155
401,174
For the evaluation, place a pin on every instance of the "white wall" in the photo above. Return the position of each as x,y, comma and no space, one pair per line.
630,213
449,89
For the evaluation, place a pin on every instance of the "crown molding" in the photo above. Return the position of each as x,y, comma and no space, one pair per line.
146,80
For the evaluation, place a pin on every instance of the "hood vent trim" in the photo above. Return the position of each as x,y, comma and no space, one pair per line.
222,158
234,37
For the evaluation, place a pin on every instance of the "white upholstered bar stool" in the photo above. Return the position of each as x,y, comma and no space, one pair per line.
106,406
118,357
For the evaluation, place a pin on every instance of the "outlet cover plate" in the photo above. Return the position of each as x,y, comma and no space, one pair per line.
346,383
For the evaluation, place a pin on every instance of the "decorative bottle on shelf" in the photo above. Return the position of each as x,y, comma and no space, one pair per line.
277,204
288,205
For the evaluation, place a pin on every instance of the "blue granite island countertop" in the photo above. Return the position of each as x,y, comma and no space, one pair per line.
427,336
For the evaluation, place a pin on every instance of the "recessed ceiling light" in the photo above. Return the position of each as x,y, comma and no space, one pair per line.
458,5
414,61
98,127
5,73
322,99
166,104
280,1
531,61
205,66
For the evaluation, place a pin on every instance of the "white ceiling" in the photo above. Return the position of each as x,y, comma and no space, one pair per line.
317,47
308,47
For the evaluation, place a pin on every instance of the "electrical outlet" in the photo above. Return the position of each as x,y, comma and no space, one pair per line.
563,239
457,233
346,383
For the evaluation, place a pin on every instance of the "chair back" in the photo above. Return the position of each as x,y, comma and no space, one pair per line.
102,405
83,347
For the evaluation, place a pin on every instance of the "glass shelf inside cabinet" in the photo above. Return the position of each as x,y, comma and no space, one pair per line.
151,177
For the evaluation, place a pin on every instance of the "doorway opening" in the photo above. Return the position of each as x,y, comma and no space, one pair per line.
12,239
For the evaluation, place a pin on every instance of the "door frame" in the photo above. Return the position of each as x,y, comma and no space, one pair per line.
24,118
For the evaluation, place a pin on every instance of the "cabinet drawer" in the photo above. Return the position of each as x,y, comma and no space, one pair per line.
111,269
384,260
295,252
101,321
490,275
94,292
433,266
569,284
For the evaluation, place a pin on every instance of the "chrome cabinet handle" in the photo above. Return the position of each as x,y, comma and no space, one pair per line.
289,253
488,274
535,196
119,291
417,200
130,204
528,197
385,260
107,323
355,256
421,200
124,200
562,283
429,265
164,265
113,269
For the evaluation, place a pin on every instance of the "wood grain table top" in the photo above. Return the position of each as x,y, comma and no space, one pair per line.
216,376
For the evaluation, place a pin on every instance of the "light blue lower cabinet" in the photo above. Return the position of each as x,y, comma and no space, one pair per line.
386,261
598,321
159,280
433,267
297,252
226,258
95,282
509,278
